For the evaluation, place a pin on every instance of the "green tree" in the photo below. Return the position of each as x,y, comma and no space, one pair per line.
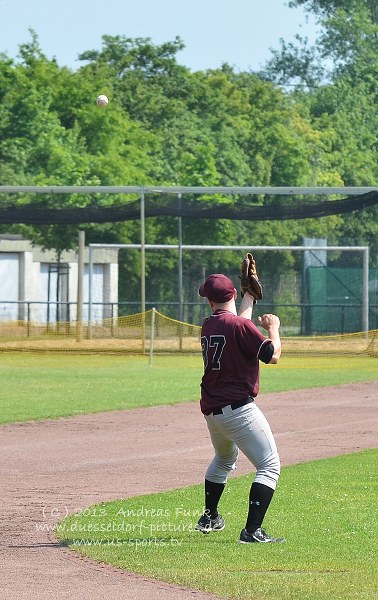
167,126
343,110
346,44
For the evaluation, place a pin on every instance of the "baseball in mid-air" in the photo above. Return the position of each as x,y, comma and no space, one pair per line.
102,100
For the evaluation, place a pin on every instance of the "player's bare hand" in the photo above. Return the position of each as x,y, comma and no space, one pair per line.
269,321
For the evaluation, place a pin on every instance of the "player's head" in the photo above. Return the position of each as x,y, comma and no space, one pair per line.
218,289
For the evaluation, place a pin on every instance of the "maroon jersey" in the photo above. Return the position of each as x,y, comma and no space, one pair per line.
230,349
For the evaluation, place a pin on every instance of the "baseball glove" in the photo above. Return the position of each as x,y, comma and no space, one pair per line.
249,280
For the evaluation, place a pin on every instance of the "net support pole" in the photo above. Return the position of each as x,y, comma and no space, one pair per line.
90,288
142,254
80,285
180,281
152,336
180,276
365,290
143,268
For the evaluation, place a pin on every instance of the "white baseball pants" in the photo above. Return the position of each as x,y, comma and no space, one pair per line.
246,429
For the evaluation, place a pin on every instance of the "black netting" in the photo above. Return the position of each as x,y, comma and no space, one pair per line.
246,209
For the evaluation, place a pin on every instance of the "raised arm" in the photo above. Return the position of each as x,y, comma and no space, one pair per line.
246,307
272,325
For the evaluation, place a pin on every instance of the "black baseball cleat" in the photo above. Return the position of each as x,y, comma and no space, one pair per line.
259,535
205,524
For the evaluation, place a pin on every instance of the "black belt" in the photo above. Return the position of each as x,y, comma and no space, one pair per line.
234,406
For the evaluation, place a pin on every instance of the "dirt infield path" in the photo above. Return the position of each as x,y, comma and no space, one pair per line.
52,467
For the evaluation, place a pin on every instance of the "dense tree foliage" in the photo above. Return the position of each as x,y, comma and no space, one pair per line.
337,81
310,119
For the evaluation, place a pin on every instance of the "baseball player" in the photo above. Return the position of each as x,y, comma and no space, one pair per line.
232,347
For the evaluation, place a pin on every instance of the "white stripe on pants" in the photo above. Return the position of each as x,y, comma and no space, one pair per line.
246,429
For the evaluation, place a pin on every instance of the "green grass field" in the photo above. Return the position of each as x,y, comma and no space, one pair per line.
325,509
49,386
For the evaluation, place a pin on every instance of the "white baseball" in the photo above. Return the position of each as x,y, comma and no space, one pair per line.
102,100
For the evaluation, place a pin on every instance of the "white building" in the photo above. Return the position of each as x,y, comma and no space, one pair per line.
34,287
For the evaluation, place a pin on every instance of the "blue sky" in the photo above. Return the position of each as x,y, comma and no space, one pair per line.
239,32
